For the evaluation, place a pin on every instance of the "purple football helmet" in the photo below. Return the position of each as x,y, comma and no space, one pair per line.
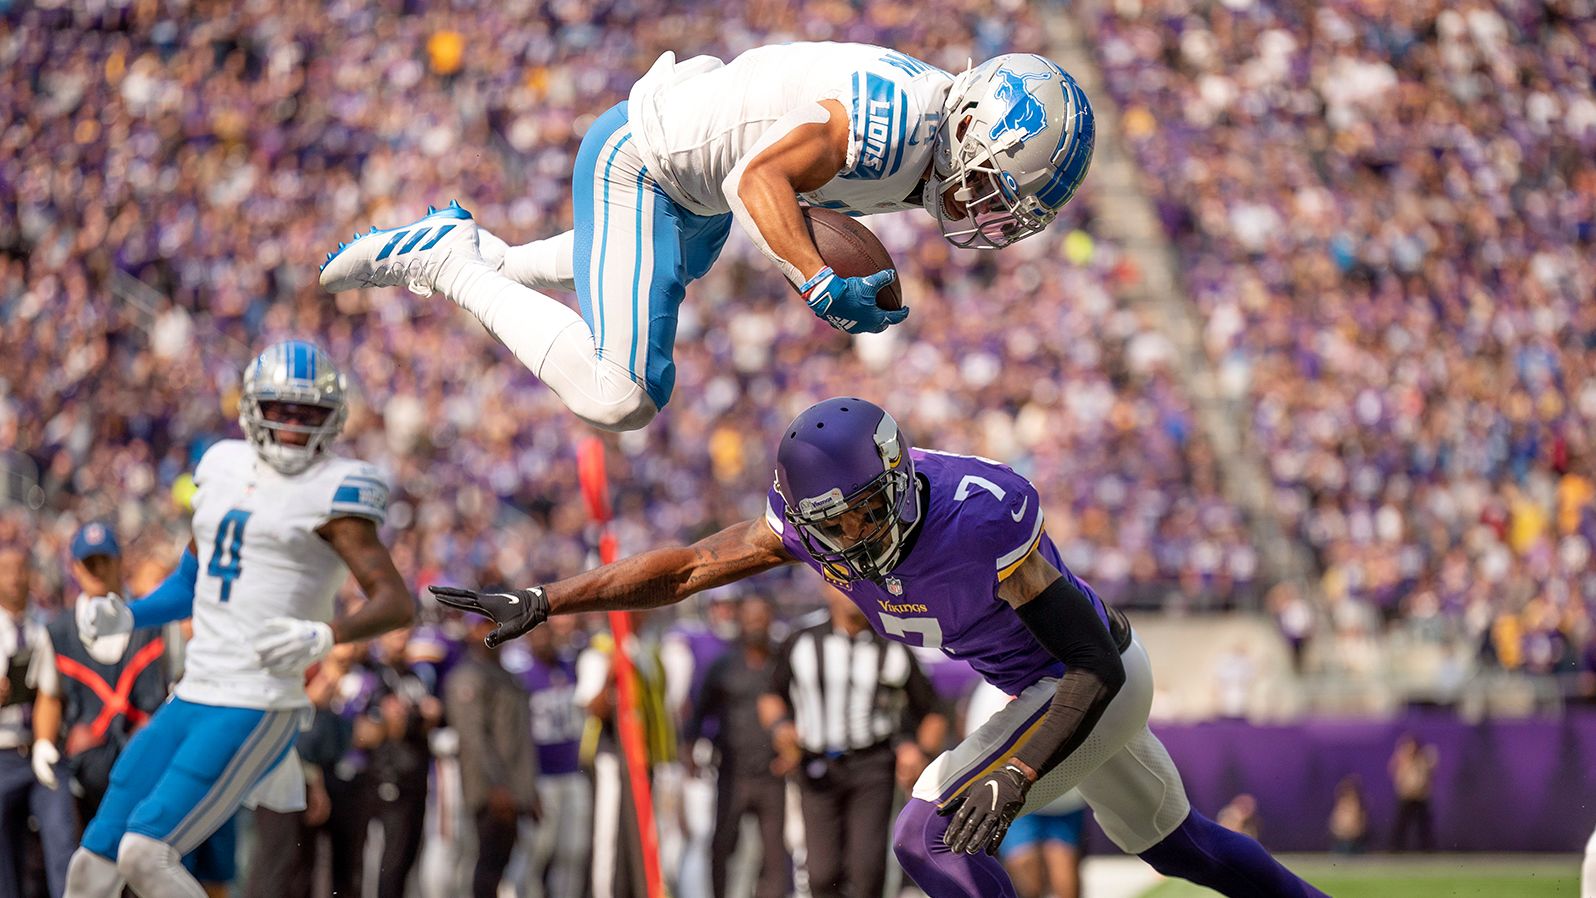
844,471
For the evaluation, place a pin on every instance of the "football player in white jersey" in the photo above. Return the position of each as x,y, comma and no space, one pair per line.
278,524
992,154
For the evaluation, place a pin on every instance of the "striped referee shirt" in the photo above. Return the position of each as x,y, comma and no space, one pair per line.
849,693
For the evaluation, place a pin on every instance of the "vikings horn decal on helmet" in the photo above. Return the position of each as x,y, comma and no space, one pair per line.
297,373
845,474
1015,143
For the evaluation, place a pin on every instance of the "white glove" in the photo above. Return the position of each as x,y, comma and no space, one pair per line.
105,625
45,756
288,645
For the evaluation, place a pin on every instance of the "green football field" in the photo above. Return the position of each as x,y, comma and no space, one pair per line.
1424,878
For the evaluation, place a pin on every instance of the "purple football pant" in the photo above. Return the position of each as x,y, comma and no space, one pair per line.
1199,850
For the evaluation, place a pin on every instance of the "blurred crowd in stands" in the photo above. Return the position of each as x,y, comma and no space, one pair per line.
176,171
1385,213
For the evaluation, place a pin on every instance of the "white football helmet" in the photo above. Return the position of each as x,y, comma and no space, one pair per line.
1015,142
297,373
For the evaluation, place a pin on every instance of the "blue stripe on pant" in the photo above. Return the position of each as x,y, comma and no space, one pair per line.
636,251
185,774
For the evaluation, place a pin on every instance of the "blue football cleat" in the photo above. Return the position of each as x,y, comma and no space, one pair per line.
409,255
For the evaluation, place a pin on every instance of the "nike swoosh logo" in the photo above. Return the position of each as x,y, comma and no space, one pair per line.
1021,513
994,793
514,600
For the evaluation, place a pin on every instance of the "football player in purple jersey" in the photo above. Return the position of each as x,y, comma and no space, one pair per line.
949,551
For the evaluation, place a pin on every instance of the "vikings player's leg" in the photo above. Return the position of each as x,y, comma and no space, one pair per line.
1126,777
630,258
1587,876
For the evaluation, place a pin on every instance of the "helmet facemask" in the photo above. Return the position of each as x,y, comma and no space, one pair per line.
995,215
862,535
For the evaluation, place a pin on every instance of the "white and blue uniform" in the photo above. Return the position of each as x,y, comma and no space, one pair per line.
651,213
230,722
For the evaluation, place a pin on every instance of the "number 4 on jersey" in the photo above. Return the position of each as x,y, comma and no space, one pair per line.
225,562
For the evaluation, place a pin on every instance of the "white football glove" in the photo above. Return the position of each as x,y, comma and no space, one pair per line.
45,756
105,625
288,645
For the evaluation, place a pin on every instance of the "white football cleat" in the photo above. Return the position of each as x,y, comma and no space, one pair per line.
411,255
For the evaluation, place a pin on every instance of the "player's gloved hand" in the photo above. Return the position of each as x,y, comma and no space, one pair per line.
849,304
99,616
45,756
105,626
985,811
515,612
288,645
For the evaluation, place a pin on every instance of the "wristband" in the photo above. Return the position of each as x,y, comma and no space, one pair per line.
819,278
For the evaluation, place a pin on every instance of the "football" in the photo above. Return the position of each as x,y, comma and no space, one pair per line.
852,251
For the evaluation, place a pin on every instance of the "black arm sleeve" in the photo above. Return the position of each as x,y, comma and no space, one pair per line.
922,698
1064,621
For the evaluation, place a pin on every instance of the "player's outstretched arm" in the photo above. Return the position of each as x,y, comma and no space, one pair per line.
388,604
1064,620
648,580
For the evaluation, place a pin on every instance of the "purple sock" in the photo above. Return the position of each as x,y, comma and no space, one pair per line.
917,841
1230,863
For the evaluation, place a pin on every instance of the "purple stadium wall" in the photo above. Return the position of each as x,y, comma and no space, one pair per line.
1520,785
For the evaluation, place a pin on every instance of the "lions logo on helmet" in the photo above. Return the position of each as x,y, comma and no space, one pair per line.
996,158
294,404
1026,114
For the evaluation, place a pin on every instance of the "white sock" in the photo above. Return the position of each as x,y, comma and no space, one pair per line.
92,876
543,264
154,869
551,340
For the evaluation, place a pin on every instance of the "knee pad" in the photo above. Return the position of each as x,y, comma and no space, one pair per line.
90,875
153,868
631,410
629,416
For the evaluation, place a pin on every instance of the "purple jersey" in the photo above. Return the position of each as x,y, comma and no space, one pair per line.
556,720
981,520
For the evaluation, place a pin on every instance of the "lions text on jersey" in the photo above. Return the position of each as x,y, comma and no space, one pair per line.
260,557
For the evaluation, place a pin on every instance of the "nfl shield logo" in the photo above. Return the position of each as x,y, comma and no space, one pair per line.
895,586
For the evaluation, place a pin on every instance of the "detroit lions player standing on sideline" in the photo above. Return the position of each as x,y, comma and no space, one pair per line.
992,154
948,551
279,524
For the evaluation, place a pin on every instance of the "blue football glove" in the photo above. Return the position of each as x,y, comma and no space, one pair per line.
849,304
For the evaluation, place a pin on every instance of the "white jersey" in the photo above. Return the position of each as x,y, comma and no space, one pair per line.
260,557
695,121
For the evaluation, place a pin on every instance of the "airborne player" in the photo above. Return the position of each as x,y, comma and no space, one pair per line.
949,552
992,154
